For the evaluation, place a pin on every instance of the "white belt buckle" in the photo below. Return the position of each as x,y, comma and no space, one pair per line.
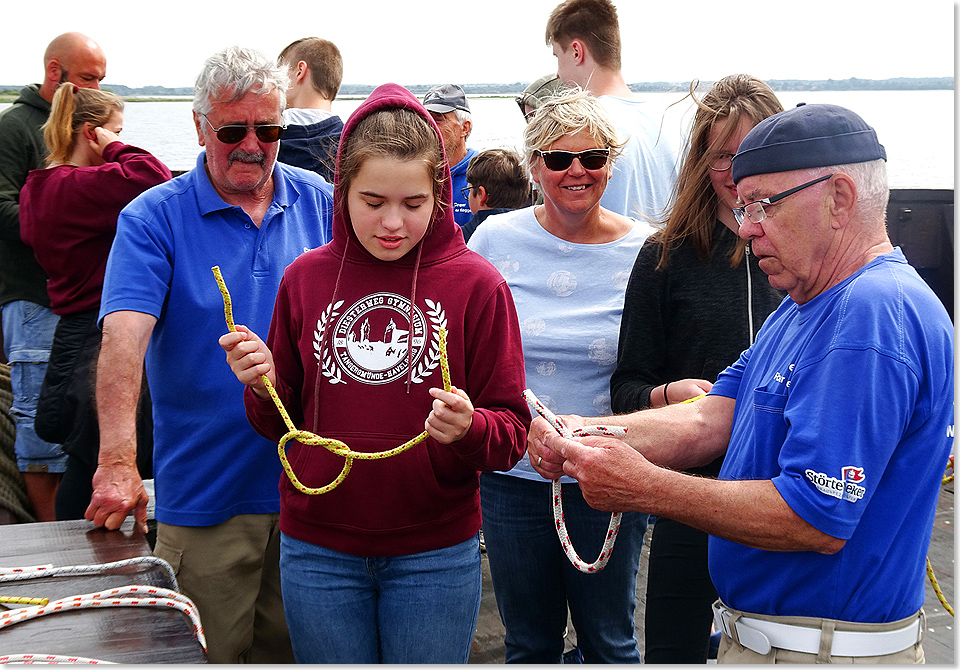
753,639
748,637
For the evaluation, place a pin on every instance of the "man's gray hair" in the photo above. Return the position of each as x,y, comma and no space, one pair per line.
230,74
873,191
463,117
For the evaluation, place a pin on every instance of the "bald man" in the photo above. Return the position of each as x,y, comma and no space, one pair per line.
28,323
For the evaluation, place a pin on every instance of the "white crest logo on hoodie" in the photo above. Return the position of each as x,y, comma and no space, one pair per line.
371,338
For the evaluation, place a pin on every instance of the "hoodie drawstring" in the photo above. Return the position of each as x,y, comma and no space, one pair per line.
413,301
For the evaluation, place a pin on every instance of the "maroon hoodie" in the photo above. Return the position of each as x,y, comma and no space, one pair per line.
339,338
69,216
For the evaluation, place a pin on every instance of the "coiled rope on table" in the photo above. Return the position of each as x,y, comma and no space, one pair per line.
38,571
52,659
308,438
153,596
556,492
133,595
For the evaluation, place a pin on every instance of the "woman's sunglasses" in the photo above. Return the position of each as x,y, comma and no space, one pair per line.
235,134
591,159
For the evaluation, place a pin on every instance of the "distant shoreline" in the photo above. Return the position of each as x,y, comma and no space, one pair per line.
348,91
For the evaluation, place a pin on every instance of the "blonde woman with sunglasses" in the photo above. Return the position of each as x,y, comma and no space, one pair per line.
567,262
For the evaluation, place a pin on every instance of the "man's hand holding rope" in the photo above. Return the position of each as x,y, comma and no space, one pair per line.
609,471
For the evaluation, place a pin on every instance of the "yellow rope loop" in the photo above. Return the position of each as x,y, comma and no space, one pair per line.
307,438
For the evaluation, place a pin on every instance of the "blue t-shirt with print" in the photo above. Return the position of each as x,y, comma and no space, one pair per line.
846,404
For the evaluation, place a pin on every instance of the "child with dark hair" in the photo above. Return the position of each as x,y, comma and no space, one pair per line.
497,182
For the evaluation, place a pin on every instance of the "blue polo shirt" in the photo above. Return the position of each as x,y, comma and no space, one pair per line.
209,464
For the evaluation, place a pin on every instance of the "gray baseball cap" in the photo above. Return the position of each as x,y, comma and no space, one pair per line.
445,98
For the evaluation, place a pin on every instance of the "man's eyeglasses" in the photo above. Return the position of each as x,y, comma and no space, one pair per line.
234,134
591,159
754,210
465,192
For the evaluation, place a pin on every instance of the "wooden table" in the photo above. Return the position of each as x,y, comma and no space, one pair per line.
121,634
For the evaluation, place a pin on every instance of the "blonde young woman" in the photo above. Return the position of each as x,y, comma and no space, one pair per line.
68,215
696,299
566,262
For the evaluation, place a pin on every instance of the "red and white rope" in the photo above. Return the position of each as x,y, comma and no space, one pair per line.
614,527
119,597
53,659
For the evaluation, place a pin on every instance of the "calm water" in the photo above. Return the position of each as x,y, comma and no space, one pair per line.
916,127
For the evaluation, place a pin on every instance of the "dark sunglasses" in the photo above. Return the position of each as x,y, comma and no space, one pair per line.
591,159
235,134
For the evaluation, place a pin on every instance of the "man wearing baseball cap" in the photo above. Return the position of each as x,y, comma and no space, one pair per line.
447,104
837,422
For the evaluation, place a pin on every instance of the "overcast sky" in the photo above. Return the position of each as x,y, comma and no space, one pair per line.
495,41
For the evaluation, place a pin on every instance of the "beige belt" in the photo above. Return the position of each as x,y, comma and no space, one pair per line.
761,636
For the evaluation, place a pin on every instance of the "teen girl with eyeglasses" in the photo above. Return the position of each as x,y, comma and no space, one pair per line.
696,299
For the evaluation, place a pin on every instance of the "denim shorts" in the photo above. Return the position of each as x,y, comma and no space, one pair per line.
28,331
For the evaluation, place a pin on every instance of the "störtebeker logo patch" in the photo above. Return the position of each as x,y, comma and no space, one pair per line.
848,486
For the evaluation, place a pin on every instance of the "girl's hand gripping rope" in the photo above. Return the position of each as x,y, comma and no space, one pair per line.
249,358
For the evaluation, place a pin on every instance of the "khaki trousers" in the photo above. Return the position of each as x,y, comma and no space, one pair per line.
232,573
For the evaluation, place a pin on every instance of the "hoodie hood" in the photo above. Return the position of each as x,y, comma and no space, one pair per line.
443,236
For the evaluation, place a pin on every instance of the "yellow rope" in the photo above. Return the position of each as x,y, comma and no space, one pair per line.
936,587
933,578
307,438
11,600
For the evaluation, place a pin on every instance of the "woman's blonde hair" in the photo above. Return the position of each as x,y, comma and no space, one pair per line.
71,108
734,98
567,113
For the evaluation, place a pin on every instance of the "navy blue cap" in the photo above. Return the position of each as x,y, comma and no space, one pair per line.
806,136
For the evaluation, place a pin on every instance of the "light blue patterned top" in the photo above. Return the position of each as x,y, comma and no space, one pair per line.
569,299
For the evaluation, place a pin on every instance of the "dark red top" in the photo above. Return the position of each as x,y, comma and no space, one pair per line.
69,215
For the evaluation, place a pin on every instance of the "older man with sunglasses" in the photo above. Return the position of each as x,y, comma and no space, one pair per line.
837,422
217,502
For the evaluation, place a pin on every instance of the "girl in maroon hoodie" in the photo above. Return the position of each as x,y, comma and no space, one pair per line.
386,567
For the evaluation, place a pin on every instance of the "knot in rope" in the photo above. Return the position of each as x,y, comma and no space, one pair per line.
614,527
307,438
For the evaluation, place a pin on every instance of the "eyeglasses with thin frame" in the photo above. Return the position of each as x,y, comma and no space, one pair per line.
721,162
591,159
234,134
754,210
465,192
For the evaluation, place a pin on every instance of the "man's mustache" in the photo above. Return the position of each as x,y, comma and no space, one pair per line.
248,157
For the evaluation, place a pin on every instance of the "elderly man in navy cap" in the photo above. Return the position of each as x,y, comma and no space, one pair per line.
837,422
447,104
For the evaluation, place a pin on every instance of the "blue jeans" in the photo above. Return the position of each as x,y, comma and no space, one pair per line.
419,608
534,582
28,331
